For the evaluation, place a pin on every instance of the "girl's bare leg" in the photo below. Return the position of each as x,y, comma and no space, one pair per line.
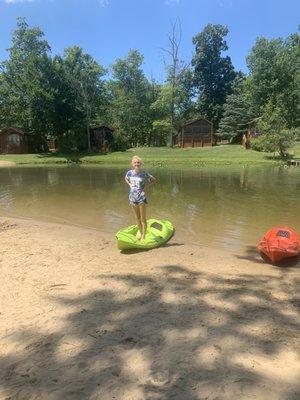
142,208
137,216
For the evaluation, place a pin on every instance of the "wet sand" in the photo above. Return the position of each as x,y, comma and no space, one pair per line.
4,163
80,320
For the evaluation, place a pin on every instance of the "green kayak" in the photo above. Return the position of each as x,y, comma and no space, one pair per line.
158,233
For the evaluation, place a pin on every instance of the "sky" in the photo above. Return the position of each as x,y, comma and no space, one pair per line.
108,29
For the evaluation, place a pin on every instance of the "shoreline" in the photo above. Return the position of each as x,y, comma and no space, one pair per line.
157,157
80,320
110,235
4,163
155,164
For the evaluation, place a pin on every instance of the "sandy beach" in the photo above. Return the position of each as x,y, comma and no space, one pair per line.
80,320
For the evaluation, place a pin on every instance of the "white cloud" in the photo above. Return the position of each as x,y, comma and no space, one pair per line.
17,1
103,3
169,2
226,3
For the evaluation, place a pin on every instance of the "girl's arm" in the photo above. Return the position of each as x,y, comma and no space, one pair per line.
151,180
127,181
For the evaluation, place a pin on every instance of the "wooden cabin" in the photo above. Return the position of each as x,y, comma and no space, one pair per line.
13,141
52,144
101,138
196,133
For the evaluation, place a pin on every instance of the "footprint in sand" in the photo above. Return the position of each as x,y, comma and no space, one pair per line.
5,225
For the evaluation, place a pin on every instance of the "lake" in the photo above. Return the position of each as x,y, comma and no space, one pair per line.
228,207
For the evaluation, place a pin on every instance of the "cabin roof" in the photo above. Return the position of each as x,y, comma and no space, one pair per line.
12,128
191,121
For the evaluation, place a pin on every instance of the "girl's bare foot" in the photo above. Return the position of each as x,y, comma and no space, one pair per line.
139,235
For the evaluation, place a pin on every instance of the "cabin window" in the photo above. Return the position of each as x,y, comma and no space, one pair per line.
13,139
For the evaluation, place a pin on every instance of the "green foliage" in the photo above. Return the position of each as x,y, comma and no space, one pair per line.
164,109
272,120
160,132
172,106
297,134
84,75
237,111
72,141
49,97
213,74
131,96
174,102
62,96
276,137
67,117
26,92
186,106
279,141
275,77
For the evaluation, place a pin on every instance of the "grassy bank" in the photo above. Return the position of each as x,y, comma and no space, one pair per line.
158,156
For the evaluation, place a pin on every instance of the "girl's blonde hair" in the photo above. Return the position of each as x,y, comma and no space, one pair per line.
136,158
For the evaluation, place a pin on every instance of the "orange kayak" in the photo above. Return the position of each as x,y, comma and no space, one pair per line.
279,243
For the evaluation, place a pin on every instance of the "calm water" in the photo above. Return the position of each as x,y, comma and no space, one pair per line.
230,207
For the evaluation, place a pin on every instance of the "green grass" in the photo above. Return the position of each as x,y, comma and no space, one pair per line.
158,156
297,150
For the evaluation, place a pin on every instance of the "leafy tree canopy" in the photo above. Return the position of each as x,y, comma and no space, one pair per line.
238,110
274,67
213,73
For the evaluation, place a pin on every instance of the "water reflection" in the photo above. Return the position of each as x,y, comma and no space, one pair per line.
227,207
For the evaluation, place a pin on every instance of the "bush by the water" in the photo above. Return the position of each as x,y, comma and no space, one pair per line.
274,142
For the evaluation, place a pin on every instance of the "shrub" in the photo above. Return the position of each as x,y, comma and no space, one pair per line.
279,141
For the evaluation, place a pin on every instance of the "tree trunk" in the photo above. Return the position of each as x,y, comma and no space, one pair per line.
172,117
88,133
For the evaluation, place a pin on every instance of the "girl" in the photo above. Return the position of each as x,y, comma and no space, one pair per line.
136,179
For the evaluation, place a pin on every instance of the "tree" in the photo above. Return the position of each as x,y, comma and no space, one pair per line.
276,137
238,110
262,64
84,75
25,90
289,62
131,98
174,99
163,117
213,74
67,116
274,67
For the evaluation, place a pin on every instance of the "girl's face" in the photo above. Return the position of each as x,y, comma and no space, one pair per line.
136,164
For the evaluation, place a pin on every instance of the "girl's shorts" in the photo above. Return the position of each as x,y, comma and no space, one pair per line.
136,203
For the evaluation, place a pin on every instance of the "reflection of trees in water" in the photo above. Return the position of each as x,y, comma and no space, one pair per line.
60,191
237,203
53,177
233,201
244,179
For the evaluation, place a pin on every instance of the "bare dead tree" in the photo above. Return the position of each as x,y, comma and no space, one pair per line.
174,67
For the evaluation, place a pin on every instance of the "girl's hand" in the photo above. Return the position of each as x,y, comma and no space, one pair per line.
152,181
128,183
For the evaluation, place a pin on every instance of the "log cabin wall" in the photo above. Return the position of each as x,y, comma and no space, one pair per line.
197,133
13,141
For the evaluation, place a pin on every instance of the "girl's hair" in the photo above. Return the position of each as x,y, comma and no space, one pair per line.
136,158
